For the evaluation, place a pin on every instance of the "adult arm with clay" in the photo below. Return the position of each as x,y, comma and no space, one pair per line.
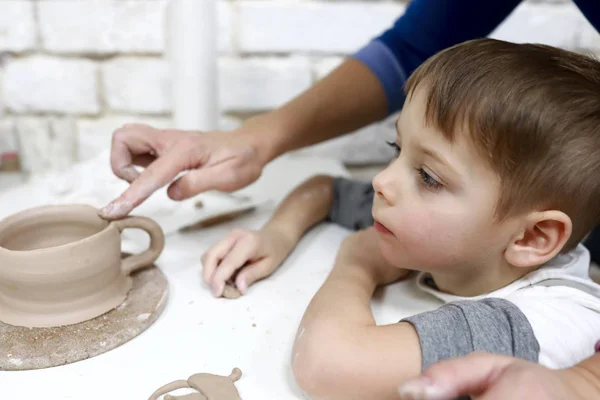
497,377
364,89
228,161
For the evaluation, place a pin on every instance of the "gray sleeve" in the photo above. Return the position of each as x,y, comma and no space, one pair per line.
456,329
352,203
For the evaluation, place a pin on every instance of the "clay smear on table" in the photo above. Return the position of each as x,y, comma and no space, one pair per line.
209,387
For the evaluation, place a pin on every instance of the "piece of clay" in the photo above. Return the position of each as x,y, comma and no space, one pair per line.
231,292
217,219
62,264
209,387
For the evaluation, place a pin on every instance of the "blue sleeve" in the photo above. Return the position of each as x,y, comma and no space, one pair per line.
591,10
427,27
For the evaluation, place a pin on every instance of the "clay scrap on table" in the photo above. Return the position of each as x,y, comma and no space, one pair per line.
209,387
217,219
231,292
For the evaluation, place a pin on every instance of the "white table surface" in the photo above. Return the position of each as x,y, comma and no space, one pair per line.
199,333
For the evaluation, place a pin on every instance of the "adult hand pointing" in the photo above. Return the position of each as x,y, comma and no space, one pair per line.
216,160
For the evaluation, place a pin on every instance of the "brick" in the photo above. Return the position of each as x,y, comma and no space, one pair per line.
17,26
324,66
337,27
366,146
68,26
104,27
46,143
245,85
137,85
46,84
258,84
552,24
8,136
94,134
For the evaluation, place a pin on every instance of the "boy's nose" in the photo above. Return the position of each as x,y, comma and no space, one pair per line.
382,186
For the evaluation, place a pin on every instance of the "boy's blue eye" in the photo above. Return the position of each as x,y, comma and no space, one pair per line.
394,146
428,180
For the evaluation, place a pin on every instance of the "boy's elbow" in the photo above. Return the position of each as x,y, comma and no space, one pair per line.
318,363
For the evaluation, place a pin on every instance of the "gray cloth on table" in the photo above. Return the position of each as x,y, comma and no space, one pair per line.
352,203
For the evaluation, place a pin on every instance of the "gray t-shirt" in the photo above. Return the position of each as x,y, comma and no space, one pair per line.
456,329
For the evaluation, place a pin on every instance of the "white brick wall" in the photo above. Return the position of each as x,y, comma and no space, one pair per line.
553,24
316,27
101,27
259,84
71,72
17,25
50,143
137,85
94,134
47,84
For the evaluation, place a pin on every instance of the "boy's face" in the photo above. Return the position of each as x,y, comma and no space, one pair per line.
434,205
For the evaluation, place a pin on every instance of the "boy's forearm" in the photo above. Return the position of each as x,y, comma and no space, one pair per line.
345,297
340,352
303,208
347,99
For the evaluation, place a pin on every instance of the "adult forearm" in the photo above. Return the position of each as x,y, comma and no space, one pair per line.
345,100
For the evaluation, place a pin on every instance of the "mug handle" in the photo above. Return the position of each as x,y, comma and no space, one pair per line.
157,243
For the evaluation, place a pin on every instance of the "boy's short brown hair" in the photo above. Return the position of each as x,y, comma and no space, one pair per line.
534,113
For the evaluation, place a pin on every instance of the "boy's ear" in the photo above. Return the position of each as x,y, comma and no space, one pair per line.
542,237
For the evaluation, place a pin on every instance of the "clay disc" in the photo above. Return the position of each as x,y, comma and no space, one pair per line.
34,348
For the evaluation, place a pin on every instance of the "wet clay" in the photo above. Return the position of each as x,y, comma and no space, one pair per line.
209,387
62,264
218,219
231,292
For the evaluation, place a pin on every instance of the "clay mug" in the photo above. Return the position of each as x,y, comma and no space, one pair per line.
62,264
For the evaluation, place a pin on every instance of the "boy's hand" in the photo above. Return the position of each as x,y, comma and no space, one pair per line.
362,249
246,256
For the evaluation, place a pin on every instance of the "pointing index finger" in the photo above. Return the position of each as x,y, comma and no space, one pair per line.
156,175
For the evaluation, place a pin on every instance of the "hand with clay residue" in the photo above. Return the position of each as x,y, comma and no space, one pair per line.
496,377
245,257
224,161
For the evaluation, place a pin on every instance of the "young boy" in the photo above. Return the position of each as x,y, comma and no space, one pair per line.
495,183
